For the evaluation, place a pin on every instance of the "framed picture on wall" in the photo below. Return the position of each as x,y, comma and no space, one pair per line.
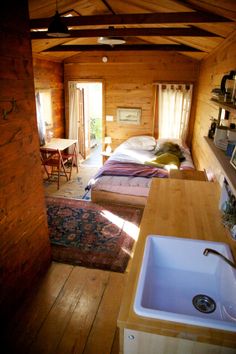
129,115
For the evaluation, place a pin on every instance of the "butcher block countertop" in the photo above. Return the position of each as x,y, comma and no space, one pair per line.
182,208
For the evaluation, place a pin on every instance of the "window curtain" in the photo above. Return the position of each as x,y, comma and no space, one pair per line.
174,103
76,116
40,121
73,111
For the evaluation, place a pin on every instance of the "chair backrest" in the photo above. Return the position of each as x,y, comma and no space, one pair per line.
50,156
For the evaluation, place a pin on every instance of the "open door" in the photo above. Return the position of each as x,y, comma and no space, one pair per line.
81,123
85,114
77,118
85,121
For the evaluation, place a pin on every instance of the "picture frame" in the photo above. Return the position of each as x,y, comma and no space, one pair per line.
233,158
129,115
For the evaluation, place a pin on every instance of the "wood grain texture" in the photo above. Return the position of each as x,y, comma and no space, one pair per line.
188,174
25,250
136,15
49,75
212,69
104,328
128,81
192,215
72,310
127,199
76,333
148,343
31,315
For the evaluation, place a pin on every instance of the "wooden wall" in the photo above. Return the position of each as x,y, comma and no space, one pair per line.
49,75
128,79
212,69
25,249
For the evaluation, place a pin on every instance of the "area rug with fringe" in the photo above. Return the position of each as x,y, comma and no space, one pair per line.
92,235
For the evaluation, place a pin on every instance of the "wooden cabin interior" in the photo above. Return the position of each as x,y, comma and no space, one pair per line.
190,41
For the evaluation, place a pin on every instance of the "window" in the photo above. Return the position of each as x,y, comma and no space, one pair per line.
173,105
44,113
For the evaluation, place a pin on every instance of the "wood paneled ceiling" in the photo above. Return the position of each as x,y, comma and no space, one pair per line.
191,27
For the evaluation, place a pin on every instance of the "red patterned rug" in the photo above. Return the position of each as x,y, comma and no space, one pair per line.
92,235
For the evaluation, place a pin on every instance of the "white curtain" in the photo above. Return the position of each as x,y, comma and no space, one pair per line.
40,121
87,97
174,103
73,111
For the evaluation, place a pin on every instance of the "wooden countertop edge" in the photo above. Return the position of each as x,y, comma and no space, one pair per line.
129,319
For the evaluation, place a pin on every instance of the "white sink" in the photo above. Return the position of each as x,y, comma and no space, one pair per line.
174,271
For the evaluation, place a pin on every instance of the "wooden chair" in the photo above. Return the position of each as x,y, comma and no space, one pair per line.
56,163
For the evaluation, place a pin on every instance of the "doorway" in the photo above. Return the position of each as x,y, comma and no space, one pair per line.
86,116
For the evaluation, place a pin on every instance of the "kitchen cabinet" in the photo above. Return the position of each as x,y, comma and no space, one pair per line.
179,208
137,342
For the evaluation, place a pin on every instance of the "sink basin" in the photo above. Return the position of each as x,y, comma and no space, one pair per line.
175,277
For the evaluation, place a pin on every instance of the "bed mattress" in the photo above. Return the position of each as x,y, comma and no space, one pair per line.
125,171
138,186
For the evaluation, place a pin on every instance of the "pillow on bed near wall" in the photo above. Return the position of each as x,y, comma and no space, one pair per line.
143,142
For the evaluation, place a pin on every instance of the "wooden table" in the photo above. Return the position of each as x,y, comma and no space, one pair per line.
60,145
180,208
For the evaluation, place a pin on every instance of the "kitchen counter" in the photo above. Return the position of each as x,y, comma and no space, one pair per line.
181,208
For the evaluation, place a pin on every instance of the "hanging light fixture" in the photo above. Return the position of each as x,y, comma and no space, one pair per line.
111,40
57,27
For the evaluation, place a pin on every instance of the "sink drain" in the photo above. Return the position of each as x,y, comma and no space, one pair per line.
204,303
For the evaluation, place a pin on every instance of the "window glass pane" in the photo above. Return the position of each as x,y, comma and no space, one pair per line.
46,107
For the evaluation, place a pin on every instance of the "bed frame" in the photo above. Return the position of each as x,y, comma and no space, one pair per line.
115,198
140,201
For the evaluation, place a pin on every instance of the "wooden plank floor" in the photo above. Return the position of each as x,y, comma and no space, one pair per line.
73,310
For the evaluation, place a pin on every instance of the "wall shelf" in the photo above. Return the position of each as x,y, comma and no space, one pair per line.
225,105
227,169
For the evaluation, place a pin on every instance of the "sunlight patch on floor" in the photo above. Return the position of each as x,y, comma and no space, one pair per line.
131,229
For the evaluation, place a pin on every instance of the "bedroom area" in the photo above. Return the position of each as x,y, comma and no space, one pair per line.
119,129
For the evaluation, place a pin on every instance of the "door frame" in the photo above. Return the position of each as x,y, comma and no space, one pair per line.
81,80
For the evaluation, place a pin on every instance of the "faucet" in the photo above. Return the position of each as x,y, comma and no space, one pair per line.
210,250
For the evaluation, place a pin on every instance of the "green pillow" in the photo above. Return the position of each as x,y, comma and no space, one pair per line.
164,159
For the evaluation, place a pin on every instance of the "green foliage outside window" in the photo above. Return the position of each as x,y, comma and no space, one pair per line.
95,128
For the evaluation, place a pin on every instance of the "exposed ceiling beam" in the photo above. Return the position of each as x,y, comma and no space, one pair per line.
125,19
125,47
132,32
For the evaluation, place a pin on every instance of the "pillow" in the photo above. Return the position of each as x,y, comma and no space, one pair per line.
166,160
143,142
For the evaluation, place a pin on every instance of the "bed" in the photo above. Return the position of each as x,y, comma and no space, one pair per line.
126,176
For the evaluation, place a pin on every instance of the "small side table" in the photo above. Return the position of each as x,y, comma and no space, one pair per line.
105,156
